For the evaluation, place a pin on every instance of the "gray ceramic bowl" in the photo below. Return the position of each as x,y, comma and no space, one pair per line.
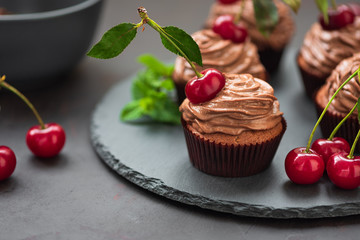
41,40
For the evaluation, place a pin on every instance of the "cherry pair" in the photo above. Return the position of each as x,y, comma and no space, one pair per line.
340,17
307,167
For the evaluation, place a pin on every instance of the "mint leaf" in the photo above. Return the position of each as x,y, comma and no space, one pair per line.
323,8
358,108
183,41
155,65
293,4
114,41
266,15
151,90
132,111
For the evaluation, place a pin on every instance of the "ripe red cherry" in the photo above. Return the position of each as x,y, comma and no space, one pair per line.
46,142
227,1
344,172
326,147
199,90
355,7
338,18
224,26
304,167
7,162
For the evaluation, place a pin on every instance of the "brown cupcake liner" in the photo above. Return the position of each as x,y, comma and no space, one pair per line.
230,160
270,58
311,83
348,130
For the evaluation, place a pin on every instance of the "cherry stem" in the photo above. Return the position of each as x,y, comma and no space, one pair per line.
326,108
145,19
332,135
352,150
333,3
22,96
239,14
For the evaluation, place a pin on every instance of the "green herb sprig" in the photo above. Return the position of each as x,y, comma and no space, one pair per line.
152,91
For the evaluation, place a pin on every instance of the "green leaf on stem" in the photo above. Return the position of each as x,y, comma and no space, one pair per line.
131,111
183,41
323,8
358,109
114,41
293,4
266,15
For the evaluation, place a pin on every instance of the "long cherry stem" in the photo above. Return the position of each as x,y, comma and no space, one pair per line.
22,96
352,150
326,108
332,135
145,19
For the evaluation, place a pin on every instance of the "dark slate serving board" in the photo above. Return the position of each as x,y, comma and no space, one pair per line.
154,156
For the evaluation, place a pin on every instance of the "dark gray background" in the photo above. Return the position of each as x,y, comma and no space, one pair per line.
76,196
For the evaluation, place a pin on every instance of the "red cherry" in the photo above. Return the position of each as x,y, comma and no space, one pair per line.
199,90
224,26
355,7
326,147
46,142
338,18
227,1
304,167
7,162
344,172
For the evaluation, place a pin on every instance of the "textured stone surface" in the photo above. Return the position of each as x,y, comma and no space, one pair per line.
154,156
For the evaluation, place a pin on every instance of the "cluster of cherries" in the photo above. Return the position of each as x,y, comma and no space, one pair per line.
340,17
304,166
44,140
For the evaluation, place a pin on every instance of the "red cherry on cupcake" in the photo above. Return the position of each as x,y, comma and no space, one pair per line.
326,147
46,142
224,26
304,167
227,1
342,16
205,88
344,172
7,162
355,7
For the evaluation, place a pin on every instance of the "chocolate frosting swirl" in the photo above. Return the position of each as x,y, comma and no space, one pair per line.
348,96
278,38
245,103
224,55
322,50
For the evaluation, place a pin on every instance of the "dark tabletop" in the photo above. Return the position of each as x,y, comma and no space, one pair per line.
76,196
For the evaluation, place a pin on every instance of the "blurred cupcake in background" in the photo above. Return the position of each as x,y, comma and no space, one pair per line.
270,47
327,44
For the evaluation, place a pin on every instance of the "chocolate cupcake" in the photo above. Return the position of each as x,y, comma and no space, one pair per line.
323,50
237,133
221,54
343,102
270,48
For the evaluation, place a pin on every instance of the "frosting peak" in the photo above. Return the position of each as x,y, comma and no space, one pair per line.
245,103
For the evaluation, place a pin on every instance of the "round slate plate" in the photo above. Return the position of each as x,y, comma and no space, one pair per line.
154,156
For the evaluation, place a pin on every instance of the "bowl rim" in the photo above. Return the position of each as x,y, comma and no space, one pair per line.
49,14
